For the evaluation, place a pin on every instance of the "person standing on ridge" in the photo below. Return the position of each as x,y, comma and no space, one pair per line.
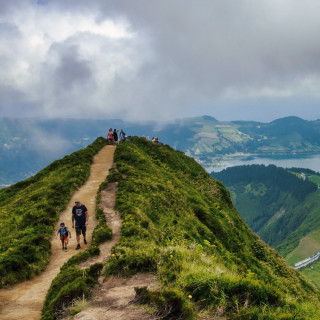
115,136
122,135
110,136
80,214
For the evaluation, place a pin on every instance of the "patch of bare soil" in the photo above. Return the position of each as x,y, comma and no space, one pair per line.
112,300
24,301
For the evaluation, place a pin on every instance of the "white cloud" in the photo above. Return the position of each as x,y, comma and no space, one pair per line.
155,59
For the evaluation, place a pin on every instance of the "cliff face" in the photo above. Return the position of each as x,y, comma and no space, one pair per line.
181,224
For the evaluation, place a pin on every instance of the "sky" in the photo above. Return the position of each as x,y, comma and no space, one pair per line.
160,60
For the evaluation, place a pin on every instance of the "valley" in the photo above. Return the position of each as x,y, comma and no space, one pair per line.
281,206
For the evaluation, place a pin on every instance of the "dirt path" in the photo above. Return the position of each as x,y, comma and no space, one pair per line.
108,198
24,301
112,299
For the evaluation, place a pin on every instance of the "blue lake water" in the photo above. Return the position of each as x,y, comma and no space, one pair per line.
309,162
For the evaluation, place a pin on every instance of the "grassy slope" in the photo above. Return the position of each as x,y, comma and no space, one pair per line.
276,203
29,210
285,211
180,223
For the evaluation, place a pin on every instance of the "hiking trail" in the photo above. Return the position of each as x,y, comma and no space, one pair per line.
112,298
24,301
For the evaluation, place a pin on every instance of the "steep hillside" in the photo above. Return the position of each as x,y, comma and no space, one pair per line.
181,224
29,210
270,199
281,205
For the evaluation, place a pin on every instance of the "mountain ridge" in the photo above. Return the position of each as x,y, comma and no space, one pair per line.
28,145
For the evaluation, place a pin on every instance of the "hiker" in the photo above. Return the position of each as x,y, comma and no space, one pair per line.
115,136
64,233
81,215
110,136
122,135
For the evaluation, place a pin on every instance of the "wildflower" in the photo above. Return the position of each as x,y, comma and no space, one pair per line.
190,296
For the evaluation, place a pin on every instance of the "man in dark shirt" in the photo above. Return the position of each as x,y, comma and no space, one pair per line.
81,215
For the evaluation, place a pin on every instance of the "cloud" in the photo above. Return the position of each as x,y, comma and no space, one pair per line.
159,59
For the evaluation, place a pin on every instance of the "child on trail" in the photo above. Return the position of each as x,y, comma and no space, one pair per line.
64,233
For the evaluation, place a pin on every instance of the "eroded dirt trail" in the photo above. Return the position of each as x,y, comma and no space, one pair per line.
112,300
24,301
108,197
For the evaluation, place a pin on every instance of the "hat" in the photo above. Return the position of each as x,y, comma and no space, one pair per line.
62,224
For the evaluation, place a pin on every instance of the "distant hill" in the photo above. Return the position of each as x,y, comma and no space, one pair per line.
281,205
27,145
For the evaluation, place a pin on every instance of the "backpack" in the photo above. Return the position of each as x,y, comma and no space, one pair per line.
65,234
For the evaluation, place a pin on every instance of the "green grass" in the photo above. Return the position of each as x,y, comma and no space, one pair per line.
308,245
314,178
181,224
30,209
312,273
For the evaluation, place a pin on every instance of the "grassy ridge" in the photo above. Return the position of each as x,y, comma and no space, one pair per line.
180,223
29,210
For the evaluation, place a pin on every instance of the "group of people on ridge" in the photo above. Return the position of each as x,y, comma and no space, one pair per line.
80,218
115,136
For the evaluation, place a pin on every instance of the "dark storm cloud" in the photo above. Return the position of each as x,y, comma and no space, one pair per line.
163,59
71,70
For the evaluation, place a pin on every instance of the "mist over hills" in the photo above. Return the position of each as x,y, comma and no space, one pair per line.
27,145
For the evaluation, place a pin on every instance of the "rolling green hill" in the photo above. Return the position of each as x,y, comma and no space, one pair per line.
280,206
180,224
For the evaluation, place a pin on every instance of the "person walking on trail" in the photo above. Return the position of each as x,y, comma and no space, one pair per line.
64,233
80,214
115,136
110,136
